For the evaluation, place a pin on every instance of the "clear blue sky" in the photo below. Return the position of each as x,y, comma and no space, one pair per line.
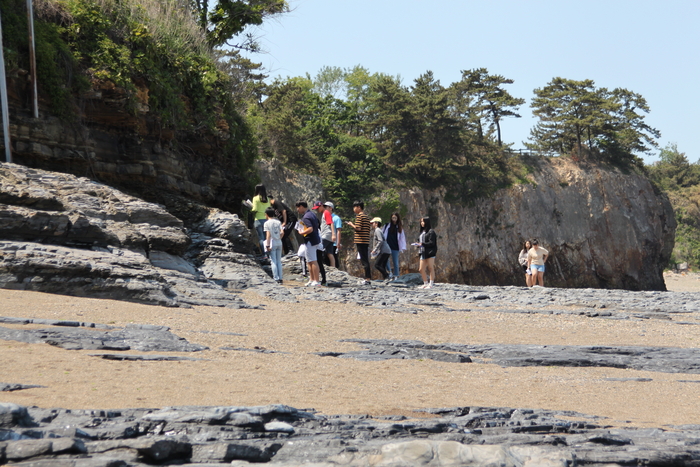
649,47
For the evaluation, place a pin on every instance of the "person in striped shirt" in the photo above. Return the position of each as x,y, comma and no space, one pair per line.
362,228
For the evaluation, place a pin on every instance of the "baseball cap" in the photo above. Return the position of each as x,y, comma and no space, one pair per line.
329,204
376,219
317,205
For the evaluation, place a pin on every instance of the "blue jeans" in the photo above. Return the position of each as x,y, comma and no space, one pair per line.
276,262
393,265
258,224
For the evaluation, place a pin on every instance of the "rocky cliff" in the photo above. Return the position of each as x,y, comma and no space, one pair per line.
109,143
603,229
69,235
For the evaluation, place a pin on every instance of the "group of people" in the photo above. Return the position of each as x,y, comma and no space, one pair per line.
532,258
274,224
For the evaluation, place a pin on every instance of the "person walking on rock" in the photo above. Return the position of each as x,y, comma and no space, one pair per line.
273,243
427,242
536,258
362,227
381,250
260,203
522,259
396,238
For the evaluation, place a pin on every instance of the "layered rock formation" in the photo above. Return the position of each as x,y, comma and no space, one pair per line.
106,141
603,229
69,235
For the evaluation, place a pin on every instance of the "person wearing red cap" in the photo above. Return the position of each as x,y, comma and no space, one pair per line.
321,252
327,232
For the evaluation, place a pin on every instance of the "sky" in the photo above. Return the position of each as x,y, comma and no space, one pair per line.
649,47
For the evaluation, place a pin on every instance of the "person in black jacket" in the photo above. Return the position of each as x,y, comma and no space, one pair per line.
288,220
428,249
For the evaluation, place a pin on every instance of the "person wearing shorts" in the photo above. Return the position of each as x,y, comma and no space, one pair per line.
312,240
536,258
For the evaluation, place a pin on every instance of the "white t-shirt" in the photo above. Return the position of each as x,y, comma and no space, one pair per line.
274,226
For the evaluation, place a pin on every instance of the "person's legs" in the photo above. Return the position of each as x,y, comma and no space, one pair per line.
363,250
276,262
431,269
540,278
312,262
381,264
395,260
322,269
286,241
258,224
313,271
423,266
328,255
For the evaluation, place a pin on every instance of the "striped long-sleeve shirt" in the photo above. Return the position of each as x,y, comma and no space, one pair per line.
362,228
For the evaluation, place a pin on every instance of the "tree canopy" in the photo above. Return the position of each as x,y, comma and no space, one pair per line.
225,19
573,114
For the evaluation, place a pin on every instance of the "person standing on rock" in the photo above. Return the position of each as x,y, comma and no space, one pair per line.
427,242
536,258
522,259
313,241
288,220
327,233
396,238
381,250
362,227
273,243
338,223
260,203
322,229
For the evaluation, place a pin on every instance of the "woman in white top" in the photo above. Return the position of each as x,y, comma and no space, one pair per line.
522,259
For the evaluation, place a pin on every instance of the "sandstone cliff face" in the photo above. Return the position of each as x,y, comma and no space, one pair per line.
603,229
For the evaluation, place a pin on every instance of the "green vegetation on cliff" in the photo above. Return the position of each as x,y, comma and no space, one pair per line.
368,133
680,179
155,56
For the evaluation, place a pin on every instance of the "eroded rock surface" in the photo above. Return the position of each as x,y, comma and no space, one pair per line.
73,335
279,435
69,235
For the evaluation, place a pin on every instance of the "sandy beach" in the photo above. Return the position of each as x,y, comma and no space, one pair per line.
295,376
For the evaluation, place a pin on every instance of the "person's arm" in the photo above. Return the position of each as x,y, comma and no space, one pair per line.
337,239
332,224
268,240
284,218
378,240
